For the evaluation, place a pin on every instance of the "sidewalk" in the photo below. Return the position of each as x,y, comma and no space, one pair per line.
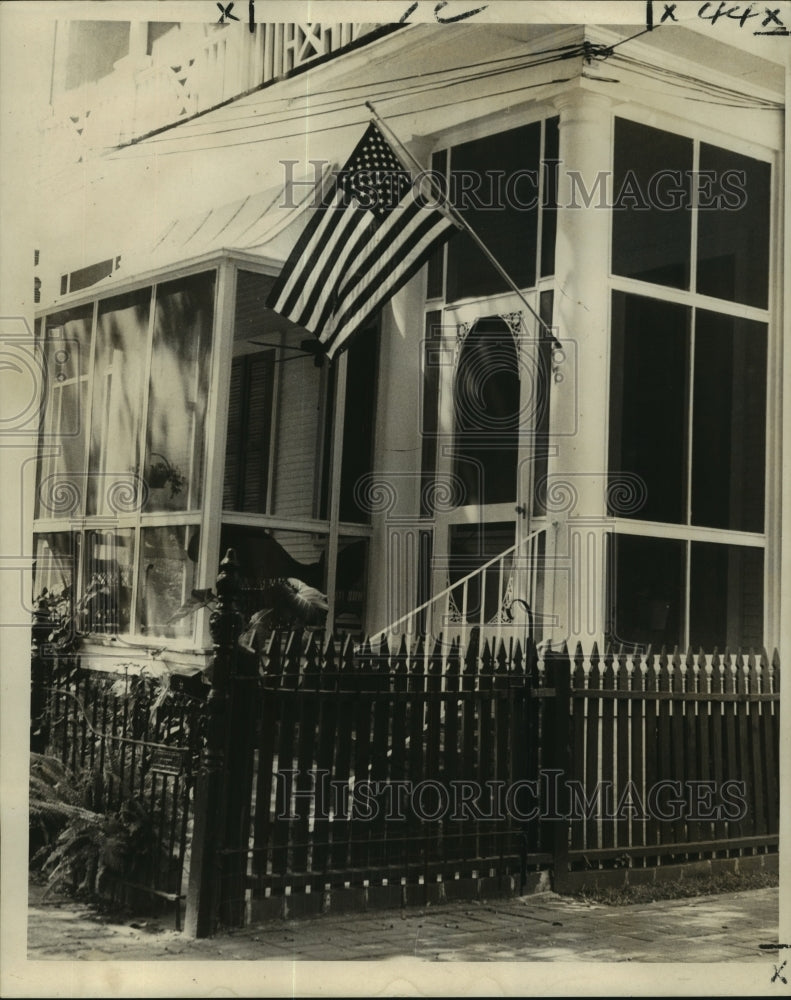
728,927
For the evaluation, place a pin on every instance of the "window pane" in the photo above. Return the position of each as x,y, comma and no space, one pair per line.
350,584
299,435
107,589
178,392
268,557
652,222
729,423
55,570
733,227
486,404
726,596
495,187
168,562
119,366
646,591
549,197
248,438
65,347
359,422
55,564
471,546
648,403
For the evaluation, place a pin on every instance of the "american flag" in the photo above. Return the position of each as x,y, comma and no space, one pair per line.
371,233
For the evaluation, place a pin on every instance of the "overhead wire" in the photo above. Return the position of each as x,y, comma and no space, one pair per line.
331,107
562,51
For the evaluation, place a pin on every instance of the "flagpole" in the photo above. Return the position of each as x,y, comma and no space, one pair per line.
461,221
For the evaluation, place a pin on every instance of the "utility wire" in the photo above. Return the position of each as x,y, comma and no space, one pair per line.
331,107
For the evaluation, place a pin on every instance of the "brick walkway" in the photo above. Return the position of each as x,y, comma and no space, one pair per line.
728,927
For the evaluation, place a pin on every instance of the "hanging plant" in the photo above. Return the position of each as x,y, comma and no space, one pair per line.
161,474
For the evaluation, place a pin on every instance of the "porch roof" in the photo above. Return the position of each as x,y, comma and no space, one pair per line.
263,219
262,226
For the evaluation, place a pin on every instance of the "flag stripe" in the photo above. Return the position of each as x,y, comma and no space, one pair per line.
320,228
338,257
365,307
367,251
369,237
403,229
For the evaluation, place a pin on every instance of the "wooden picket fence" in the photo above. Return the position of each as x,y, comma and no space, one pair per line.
508,765
323,774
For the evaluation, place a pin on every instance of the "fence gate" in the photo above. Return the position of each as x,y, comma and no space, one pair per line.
132,763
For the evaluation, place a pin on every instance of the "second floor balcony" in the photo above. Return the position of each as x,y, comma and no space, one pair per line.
190,69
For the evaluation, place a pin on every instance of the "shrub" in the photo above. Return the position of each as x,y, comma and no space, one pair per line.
80,847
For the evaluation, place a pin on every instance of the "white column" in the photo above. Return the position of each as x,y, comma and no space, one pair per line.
579,408
392,572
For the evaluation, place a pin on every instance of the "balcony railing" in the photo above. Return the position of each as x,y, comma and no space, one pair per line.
139,96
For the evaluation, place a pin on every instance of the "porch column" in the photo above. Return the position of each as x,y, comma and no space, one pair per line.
395,493
577,471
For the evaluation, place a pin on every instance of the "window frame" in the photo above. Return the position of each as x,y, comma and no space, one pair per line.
696,301
79,522
327,446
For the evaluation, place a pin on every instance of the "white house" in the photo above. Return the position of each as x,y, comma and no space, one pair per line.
620,479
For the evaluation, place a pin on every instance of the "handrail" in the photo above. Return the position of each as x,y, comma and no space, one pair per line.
412,614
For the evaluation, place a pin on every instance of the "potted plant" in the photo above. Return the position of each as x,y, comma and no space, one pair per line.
161,474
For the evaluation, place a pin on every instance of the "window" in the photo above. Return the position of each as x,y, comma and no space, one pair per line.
688,392
709,471
729,422
122,449
647,581
55,564
178,392
279,463
108,580
649,395
733,230
118,384
486,404
651,603
93,49
652,222
165,579
656,191
726,596
359,424
247,471
65,347
505,187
